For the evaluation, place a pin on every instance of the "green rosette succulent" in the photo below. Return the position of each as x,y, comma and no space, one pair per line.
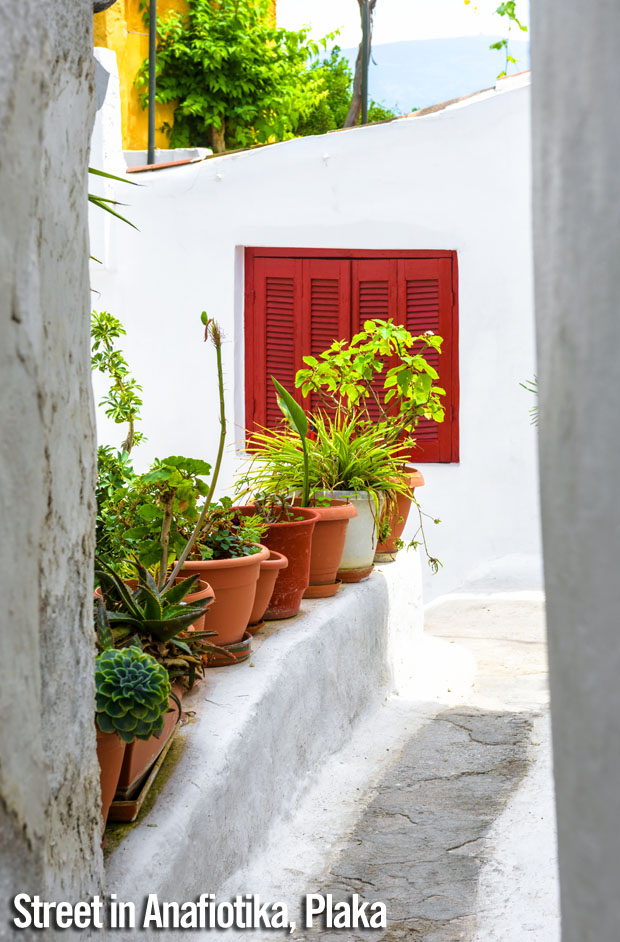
133,693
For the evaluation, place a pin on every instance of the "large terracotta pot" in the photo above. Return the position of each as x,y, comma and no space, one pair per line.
234,583
270,570
110,753
361,537
328,540
292,538
142,753
386,551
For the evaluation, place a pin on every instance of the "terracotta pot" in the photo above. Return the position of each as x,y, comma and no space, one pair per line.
234,583
141,754
292,538
110,753
360,539
269,571
241,650
328,541
386,551
322,591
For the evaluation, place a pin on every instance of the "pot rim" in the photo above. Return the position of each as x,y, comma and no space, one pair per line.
309,515
198,564
276,561
336,510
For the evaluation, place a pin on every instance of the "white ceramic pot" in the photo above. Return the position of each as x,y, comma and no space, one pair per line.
361,538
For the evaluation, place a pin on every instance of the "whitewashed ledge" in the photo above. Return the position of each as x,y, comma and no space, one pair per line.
260,733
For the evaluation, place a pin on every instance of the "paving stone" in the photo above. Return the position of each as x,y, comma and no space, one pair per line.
419,845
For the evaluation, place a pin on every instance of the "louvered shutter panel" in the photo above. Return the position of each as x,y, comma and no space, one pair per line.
299,305
425,303
273,337
375,295
327,308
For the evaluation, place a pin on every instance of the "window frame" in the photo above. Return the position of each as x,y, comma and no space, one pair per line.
253,369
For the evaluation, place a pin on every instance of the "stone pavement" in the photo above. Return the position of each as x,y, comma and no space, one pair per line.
454,828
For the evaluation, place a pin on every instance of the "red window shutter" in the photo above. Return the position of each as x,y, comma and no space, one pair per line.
294,307
327,308
273,347
426,303
375,295
298,302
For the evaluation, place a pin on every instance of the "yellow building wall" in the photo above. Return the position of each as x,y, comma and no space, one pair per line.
122,29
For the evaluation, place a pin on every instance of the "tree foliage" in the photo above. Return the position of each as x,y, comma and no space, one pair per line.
238,78
330,112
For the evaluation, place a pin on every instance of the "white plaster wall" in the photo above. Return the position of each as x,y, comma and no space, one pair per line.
458,179
49,776
577,240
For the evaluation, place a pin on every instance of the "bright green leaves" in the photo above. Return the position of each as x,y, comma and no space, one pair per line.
508,10
382,367
292,411
238,78
122,402
131,507
296,417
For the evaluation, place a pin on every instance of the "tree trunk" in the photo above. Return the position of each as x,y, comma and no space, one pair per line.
218,138
356,102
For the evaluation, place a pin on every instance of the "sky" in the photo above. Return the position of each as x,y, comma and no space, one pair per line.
397,20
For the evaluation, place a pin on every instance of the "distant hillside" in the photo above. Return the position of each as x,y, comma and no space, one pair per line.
424,72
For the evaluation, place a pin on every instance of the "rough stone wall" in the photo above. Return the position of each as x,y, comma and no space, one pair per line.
577,250
49,796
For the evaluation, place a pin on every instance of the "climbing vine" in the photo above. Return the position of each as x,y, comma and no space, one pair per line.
122,401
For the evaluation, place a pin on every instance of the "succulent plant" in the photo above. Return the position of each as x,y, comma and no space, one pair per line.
133,693
147,610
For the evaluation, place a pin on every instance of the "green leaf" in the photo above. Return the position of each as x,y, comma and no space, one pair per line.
292,411
177,593
110,176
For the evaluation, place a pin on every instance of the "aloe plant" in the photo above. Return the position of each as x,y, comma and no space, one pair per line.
133,694
147,610
298,421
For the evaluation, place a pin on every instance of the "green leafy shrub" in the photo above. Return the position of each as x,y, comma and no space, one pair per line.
345,454
331,111
133,693
238,78
227,534
347,375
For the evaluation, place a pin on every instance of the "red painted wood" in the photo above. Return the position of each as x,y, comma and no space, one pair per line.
326,307
299,300
262,252
273,342
425,303
374,295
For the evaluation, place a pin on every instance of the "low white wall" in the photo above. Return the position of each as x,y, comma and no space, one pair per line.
458,179
263,729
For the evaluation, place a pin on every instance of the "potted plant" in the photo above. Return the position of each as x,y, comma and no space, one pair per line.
270,571
382,377
162,624
132,697
281,465
392,526
348,462
228,554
